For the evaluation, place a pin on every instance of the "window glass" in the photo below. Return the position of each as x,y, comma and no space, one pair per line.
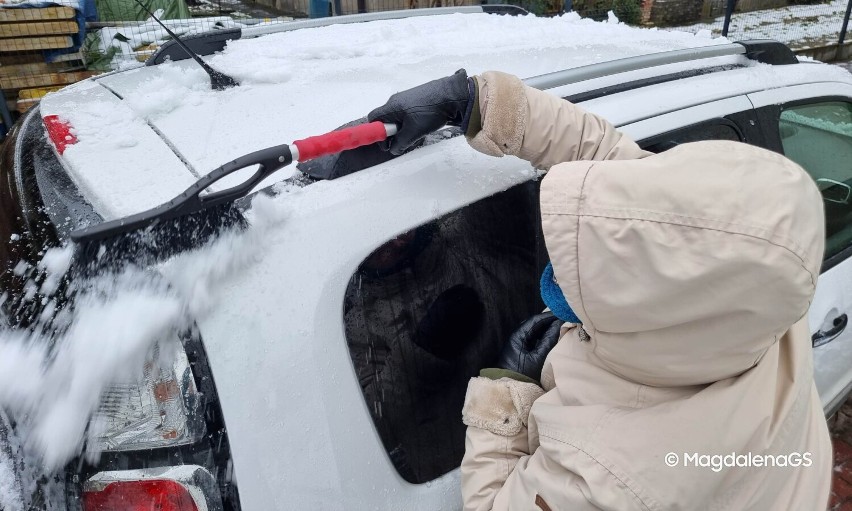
430,308
819,138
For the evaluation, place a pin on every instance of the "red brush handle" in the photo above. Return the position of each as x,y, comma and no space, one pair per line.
337,141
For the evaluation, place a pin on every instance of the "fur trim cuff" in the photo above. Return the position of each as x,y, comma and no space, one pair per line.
499,406
503,107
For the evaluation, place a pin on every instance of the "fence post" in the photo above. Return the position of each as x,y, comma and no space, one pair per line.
845,25
729,11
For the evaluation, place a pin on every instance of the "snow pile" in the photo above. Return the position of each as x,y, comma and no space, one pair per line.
310,81
799,26
131,43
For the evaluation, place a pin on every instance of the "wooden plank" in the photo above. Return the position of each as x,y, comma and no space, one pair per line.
36,43
22,105
24,69
36,93
21,58
42,80
68,57
37,68
38,28
44,13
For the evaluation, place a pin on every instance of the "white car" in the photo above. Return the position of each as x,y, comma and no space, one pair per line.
324,374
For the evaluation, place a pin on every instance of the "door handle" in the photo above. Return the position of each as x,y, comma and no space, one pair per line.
826,336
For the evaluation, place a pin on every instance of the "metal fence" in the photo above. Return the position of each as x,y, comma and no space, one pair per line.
800,24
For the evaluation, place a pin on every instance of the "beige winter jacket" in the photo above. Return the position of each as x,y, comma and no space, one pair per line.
692,272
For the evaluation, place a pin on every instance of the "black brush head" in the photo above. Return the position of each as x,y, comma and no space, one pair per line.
156,243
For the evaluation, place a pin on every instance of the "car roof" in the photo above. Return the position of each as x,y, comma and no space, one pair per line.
145,134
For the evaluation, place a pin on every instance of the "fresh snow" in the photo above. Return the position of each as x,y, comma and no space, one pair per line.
307,82
134,40
799,26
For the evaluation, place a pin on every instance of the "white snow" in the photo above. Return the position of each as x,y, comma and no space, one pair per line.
799,26
306,82
10,499
54,389
134,41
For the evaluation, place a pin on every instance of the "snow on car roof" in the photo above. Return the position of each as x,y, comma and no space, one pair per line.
305,82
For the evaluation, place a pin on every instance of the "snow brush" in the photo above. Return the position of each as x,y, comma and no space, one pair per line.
193,217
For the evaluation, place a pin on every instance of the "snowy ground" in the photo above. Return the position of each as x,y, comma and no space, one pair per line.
799,26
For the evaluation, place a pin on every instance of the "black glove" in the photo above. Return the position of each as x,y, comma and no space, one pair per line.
530,344
425,108
451,323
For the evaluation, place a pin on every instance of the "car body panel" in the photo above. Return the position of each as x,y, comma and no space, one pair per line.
832,361
301,435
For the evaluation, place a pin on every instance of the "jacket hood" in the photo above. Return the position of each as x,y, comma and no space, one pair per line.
685,266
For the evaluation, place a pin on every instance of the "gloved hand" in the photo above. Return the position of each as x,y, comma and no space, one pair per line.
425,108
529,345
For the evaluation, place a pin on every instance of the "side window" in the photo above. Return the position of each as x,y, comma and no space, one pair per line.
714,129
818,137
430,308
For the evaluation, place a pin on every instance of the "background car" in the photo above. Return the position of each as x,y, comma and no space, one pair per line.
326,373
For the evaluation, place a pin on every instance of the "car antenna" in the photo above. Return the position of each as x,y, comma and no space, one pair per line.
218,80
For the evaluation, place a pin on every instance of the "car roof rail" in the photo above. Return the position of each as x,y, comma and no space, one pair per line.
212,41
765,51
377,16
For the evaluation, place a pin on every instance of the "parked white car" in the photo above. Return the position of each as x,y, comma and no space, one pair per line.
304,386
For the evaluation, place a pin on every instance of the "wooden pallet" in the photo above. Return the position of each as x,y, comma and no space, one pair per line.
22,105
29,97
35,43
43,13
37,68
38,28
43,80
25,74
37,93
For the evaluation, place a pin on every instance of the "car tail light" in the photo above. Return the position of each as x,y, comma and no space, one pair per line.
59,132
162,409
182,488
161,495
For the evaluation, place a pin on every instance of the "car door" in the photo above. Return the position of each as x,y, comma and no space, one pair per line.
812,125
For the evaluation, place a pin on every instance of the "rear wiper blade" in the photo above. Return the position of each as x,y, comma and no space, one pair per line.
218,80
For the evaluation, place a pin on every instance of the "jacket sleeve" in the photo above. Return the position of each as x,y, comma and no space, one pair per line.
511,118
501,472
496,413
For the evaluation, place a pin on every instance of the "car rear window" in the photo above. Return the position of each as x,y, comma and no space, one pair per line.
428,309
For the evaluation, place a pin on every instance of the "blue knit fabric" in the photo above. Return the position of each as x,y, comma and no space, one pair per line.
554,298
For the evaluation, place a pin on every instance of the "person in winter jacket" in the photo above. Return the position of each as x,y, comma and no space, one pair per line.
682,377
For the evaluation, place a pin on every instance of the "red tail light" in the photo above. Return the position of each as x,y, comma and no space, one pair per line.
146,495
59,132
